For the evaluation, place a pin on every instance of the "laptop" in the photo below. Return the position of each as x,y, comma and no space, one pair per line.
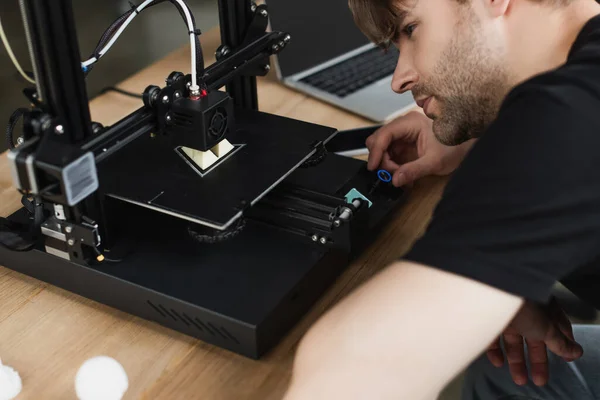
331,59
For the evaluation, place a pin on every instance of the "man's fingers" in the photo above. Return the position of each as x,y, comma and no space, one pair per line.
388,164
561,318
538,361
558,343
378,145
406,128
515,355
399,179
411,171
563,328
494,353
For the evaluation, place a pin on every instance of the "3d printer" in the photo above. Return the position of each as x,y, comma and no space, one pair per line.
196,211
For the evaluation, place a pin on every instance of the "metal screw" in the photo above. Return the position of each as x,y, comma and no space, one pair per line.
264,12
281,44
189,84
253,7
275,47
267,68
59,129
177,95
337,223
20,140
287,38
168,118
68,229
165,99
323,240
104,149
315,238
35,95
71,242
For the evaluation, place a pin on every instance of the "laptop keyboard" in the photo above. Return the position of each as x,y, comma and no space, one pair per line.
355,73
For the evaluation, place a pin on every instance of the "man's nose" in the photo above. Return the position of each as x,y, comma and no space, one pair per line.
405,77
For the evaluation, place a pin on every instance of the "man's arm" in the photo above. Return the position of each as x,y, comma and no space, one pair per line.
403,335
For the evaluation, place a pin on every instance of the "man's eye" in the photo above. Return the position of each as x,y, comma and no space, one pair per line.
409,29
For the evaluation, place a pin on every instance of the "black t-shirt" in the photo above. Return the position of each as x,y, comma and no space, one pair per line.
523,210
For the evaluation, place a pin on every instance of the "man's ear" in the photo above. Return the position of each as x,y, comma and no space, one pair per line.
497,8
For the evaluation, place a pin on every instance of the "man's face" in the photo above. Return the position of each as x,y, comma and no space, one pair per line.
452,61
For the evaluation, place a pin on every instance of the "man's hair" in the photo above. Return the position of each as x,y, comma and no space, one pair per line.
378,19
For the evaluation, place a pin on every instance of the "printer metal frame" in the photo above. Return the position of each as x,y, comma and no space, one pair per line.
239,289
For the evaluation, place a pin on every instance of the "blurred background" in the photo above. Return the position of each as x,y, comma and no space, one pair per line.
151,36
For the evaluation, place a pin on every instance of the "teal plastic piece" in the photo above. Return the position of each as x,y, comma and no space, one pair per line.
355,194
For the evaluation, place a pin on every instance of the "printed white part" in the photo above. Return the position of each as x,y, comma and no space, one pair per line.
10,383
101,378
222,148
203,159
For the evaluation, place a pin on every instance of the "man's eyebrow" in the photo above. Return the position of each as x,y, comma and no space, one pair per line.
402,15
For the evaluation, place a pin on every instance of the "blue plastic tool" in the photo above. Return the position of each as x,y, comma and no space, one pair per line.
384,176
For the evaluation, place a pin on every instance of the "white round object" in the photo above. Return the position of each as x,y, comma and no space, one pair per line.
101,378
10,383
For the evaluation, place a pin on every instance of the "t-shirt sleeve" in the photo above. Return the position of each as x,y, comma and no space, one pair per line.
523,209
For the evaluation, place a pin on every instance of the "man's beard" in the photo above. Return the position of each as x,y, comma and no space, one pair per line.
469,83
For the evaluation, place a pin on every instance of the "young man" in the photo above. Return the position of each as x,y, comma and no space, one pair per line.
522,79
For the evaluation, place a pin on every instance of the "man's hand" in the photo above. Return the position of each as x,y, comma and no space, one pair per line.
542,327
408,149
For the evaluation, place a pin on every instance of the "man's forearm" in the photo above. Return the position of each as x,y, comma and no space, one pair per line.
405,334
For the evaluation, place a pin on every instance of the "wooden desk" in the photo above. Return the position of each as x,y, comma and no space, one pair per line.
46,333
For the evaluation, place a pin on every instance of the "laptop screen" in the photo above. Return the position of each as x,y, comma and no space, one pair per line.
320,30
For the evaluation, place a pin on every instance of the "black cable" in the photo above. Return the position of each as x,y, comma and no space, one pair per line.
110,260
316,158
220,236
112,29
124,92
107,35
12,122
106,259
